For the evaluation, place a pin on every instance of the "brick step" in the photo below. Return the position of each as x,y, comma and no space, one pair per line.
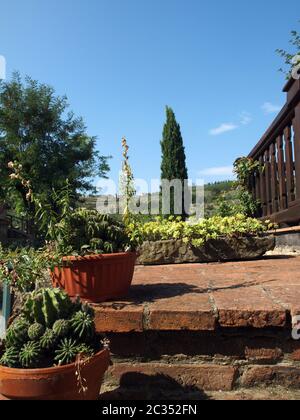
269,346
194,377
205,297
172,376
199,362
205,328
225,360
113,393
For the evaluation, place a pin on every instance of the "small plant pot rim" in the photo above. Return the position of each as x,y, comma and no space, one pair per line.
97,257
50,370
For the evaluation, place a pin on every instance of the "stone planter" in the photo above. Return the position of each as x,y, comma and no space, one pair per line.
215,250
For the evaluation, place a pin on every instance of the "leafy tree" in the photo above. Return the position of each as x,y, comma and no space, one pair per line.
291,58
38,131
221,199
173,164
245,168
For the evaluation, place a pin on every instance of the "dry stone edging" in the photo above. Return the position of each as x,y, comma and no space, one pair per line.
215,250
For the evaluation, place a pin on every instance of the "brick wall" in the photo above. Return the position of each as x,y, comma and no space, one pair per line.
225,360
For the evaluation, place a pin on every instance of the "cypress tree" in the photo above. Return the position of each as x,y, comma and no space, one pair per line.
173,164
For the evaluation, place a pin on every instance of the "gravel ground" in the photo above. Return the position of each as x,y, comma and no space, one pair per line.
287,250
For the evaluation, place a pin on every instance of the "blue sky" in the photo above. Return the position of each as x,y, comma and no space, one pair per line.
120,62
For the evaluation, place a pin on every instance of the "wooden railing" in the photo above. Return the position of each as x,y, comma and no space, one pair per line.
277,185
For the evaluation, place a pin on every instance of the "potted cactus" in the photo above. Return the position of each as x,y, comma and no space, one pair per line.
51,350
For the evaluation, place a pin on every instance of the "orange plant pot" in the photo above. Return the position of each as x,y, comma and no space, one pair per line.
57,383
96,278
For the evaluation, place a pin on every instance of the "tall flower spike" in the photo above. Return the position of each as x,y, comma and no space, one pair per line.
126,181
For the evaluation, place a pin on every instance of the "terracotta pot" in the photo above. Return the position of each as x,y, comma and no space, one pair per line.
96,278
57,383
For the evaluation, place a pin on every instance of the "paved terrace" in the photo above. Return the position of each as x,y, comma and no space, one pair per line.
201,297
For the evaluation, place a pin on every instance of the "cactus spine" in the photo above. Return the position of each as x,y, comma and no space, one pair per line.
61,328
16,335
30,355
46,306
48,340
66,352
36,331
10,358
83,325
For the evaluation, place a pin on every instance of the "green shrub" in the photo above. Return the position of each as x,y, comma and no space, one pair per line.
197,234
26,267
245,168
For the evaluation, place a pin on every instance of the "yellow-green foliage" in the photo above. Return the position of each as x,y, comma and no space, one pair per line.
198,233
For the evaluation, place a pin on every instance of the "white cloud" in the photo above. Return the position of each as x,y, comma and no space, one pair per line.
270,108
218,171
245,118
224,128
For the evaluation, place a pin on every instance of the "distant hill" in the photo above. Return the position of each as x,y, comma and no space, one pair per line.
215,192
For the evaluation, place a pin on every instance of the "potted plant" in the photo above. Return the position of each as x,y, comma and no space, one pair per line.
97,253
99,257
51,350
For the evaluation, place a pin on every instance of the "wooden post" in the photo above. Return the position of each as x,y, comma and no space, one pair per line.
6,309
268,183
262,180
281,175
258,193
274,186
296,125
289,165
